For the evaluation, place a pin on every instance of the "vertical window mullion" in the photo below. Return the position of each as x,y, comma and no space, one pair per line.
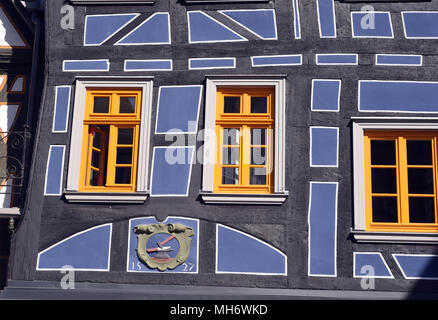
403,180
112,151
434,164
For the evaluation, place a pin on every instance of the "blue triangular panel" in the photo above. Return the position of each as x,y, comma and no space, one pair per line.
99,28
260,22
154,30
203,28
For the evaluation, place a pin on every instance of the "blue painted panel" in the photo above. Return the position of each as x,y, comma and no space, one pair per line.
85,65
297,23
336,59
178,109
54,173
154,30
322,229
420,24
203,28
238,252
62,106
324,147
148,65
190,265
283,60
171,169
325,95
371,25
398,96
327,18
86,250
418,266
261,22
373,260
212,63
100,28
388,59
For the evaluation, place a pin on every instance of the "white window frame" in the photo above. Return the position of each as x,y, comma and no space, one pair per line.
280,193
74,167
359,125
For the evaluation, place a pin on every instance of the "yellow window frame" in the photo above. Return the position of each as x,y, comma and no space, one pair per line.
244,121
400,138
115,121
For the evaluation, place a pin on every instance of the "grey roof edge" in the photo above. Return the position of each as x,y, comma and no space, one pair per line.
43,290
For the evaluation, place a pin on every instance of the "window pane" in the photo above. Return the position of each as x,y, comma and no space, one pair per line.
421,210
383,152
230,156
125,136
94,178
420,181
230,176
258,156
232,105
95,159
419,152
384,180
97,140
124,156
258,137
385,209
231,137
101,105
259,104
123,175
257,176
127,105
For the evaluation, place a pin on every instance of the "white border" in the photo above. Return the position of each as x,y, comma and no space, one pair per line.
297,22
311,147
404,25
339,95
189,177
394,255
224,12
279,86
371,12
358,156
107,15
279,64
398,64
73,236
217,67
86,70
56,109
81,86
215,21
256,239
140,25
152,60
172,133
367,276
336,232
62,171
392,111
197,235
336,63
334,20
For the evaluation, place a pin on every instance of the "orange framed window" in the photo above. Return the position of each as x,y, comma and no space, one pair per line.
244,140
401,180
110,140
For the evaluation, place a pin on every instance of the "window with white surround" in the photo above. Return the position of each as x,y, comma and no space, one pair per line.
395,179
83,185
229,104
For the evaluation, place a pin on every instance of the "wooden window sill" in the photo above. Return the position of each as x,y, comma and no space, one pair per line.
394,237
238,198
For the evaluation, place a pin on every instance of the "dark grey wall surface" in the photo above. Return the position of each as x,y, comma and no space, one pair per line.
51,219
